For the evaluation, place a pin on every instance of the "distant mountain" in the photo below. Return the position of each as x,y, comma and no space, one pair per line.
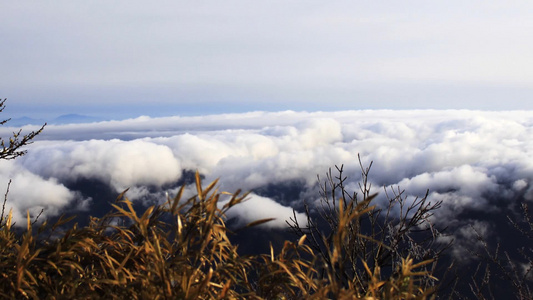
74,118
63,119
18,122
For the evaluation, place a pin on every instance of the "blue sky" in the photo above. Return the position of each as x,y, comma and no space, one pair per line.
127,58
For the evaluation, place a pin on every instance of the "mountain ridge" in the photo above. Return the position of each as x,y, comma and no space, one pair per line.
60,120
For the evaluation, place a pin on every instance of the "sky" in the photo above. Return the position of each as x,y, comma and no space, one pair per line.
124,59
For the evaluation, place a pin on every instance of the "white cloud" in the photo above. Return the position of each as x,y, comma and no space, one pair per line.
465,158
117,163
458,187
470,237
520,184
31,193
257,208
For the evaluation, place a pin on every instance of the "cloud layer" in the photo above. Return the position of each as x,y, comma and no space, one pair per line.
468,159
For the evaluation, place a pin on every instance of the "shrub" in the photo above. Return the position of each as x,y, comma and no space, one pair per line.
510,270
12,149
352,236
181,250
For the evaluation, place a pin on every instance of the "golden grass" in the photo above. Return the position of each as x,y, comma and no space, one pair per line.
181,250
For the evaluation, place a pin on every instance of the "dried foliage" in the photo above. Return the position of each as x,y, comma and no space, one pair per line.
513,272
181,250
12,149
358,237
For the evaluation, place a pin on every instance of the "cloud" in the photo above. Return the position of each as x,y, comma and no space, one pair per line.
118,163
257,208
471,160
32,193
469,238
459,187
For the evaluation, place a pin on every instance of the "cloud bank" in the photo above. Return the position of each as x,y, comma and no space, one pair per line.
471,160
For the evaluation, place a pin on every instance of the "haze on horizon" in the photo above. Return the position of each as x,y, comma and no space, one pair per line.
129,58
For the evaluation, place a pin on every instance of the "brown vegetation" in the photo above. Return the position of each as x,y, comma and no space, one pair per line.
180,250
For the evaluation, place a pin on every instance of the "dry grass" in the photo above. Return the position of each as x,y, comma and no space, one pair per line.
362,245
180,250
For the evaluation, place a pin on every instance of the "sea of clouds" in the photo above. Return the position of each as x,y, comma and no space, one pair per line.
468,159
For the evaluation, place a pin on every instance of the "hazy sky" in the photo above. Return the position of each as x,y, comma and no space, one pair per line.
128,58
